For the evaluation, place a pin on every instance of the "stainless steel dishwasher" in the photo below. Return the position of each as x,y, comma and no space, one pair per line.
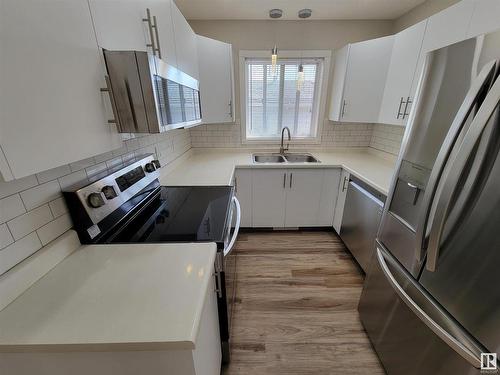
362,213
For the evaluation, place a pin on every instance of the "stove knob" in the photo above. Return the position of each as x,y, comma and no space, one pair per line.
109,192
156,163
95,200
149,167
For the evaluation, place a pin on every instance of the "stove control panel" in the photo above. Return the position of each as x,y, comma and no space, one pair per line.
102,197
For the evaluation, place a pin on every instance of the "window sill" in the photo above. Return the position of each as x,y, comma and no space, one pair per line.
277,140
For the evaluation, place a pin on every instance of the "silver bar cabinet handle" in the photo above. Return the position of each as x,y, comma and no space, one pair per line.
343,184
155,26
291,178
284,180
405,113
343,108
150,28
399,108
109,90
231,108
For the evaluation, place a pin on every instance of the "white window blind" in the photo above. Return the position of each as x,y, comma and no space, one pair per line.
273,100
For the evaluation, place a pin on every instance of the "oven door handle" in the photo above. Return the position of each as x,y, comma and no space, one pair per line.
229,247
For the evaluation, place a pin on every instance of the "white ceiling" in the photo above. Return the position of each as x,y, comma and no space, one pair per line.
322,9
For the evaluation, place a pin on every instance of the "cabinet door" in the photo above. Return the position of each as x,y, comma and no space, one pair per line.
243,191
339,76
402,67
366,74
268,197
485,17
339,207
303,197
51,108
120,25
215,63
162,10
186,43
328,198
448,26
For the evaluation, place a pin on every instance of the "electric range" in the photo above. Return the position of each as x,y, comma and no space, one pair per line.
128,205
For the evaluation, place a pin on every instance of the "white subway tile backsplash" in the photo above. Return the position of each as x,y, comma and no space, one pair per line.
12,187
52,174
58,207
96,169
5,236
11,207
73,178
81,164
29,222
114,162
40,194
54,229
22,233
18,251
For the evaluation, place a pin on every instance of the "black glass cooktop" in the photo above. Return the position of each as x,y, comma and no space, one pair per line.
186,213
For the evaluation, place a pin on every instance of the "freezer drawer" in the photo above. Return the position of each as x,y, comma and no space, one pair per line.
362,213
402,326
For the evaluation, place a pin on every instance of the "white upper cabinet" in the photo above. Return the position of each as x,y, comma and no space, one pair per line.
448,26
485,18
403,67
359,79
124,25
186,43
215,62
51,109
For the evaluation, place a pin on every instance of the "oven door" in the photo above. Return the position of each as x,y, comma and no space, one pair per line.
227,281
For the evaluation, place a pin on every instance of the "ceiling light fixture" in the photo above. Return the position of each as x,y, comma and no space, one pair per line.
300,78
305,13
275,13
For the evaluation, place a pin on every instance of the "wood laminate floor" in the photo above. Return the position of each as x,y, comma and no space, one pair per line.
296,307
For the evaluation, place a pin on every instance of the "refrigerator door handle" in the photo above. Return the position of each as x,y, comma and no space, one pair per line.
483,80
460,348
471,139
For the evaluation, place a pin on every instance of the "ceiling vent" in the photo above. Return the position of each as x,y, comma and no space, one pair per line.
275,13
305,13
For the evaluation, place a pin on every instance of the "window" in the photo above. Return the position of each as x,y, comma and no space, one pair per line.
272,100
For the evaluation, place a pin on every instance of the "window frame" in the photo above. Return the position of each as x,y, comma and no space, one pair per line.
318,117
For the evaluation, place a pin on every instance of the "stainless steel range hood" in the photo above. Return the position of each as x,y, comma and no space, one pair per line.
150,96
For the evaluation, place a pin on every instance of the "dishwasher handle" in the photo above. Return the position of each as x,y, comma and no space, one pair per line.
354,185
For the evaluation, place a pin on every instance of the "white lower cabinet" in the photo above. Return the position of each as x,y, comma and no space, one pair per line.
339,207
268,197
295,197
243,191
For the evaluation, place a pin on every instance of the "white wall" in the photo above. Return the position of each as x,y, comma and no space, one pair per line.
287,35
33,211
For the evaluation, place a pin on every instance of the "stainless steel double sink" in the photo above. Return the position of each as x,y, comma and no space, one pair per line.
283,158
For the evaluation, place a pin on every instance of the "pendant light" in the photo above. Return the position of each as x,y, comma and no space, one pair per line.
300,77
274,14
274,59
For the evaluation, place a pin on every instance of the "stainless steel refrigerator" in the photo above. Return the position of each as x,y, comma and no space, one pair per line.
431,299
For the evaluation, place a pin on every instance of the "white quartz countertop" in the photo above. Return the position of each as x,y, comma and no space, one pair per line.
113,298
216,166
